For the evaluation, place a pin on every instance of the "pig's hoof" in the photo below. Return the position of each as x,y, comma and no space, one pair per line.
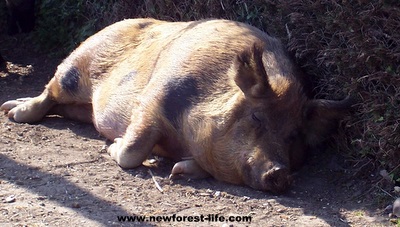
123,157
7,106
188,169
20,110
114,148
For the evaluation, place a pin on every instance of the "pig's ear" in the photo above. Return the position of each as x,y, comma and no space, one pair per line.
322,117
250,73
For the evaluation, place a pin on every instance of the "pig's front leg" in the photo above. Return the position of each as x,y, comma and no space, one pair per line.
137,143
188,169
28,110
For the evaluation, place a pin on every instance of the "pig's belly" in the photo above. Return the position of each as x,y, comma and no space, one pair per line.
112,113
110,123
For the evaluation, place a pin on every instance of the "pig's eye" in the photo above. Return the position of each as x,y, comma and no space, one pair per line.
256,117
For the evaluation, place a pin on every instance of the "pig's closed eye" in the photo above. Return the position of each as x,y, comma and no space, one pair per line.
256,117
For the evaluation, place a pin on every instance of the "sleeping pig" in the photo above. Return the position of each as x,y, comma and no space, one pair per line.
222,98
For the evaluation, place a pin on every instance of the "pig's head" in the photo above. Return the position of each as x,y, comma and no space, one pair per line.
275,122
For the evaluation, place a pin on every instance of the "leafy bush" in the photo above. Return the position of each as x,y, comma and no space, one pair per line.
62,24
354,47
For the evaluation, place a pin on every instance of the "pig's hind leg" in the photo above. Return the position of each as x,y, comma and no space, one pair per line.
67,94
138,141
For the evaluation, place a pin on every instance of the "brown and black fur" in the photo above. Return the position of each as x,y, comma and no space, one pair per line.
221,92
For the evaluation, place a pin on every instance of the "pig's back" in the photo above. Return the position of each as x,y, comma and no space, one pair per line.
175,65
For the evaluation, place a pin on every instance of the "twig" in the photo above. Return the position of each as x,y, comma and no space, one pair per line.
222,5
289,34
394,169
387,193
155,181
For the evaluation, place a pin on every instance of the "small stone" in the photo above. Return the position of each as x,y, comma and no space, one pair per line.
140,175
40,198
227,225
280,210
10,199
217,193
204,194
76,205
152,161
103,149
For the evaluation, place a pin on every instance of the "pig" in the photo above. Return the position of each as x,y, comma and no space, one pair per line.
220,97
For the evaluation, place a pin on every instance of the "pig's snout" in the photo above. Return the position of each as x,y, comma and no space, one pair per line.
277,179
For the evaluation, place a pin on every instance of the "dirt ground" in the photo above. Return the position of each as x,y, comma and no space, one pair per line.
55,173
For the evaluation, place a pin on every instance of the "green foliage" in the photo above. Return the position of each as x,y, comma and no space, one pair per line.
62,25
357,45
